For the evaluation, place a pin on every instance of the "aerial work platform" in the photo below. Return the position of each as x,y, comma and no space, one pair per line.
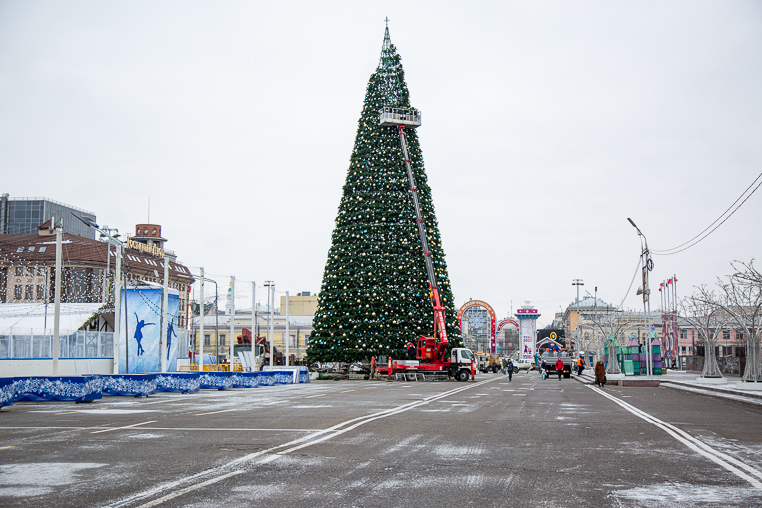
395,117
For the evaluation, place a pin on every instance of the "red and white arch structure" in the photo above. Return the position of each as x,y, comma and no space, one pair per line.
488,307
504,322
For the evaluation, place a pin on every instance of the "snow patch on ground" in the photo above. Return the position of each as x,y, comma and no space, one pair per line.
450,451
35,479
686,494
750,454
140,437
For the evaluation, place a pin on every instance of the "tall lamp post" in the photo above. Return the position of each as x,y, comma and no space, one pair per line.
578,283
105,232
648,265
270,285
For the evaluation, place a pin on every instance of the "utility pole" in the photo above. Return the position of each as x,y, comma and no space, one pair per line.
164,308
104,299
598,349
201,325
269,286
118,308
288,337
254,365
232,319
57,301
272,324
578,283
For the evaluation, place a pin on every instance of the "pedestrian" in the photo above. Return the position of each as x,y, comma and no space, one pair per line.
505,363
537,360
600,374
509,368
410,351
559,368
580,364
544,369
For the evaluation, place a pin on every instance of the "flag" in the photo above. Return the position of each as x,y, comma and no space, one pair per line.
675,279
669,281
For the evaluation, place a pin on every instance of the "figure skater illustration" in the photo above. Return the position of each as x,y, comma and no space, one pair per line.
139,333
170,331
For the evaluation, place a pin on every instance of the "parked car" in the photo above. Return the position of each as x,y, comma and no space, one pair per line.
523,364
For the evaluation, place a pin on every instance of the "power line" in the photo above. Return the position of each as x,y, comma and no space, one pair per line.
640,260
690,243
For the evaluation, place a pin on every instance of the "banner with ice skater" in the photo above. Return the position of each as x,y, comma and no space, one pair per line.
140,331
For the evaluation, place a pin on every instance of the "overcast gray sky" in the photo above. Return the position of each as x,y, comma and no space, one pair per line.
545,125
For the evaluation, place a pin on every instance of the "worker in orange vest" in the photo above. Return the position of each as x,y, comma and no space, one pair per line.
580,364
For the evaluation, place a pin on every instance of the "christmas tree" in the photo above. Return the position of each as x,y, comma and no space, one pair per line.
374,298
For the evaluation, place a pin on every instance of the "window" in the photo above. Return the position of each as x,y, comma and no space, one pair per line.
28,292
19,249
40,292
17,292
30,270
727,350
30,248
739,336
19,270
42,249
726,335
222,339
40,270
207,339
683,335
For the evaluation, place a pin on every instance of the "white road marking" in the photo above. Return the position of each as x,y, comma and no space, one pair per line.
125,427
691,442
206,429
276,402
312,396
215,412
271,453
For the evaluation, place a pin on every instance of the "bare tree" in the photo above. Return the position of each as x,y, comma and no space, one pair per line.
614,325
742,301
704,312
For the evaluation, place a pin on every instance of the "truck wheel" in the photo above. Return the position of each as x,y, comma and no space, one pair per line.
463,375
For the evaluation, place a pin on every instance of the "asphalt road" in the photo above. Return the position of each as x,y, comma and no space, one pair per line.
369,443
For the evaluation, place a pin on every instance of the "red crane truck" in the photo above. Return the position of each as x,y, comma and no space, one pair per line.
431,352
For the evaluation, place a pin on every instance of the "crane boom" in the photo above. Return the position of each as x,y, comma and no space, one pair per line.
439,321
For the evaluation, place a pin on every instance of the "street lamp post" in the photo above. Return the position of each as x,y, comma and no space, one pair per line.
647,267
578,283
105,232
270,289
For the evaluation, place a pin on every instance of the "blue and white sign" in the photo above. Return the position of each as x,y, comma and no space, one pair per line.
140,331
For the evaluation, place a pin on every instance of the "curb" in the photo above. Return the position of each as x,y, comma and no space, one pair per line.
746,400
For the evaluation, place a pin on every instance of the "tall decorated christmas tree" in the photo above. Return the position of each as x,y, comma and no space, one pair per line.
375,293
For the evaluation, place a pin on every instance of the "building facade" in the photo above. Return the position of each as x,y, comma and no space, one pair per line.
27,269
22,216
302,308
